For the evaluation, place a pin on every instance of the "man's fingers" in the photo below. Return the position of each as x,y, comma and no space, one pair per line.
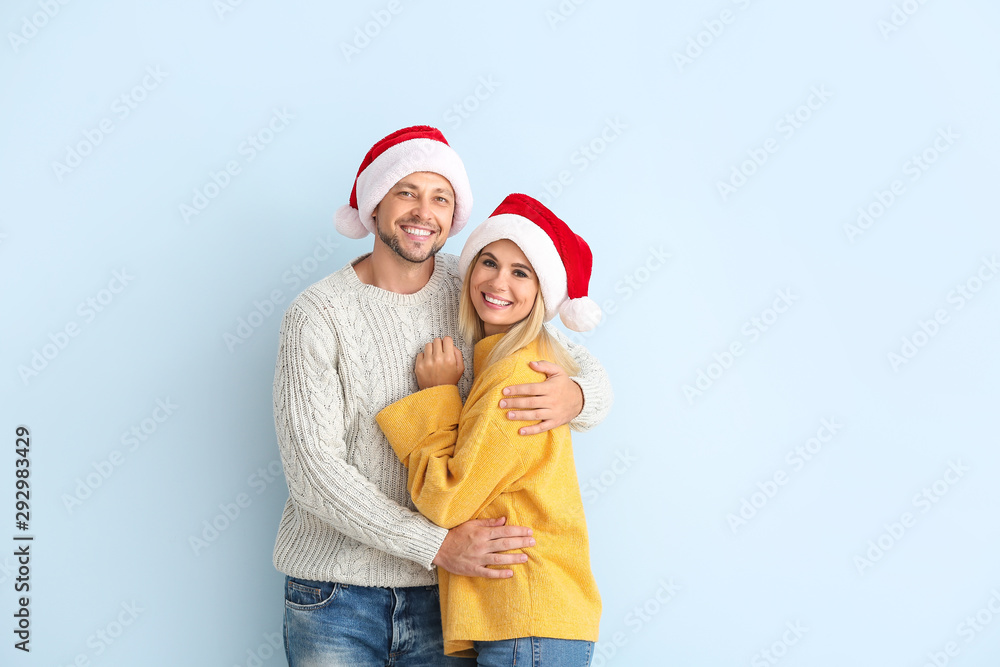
512,543
490,573
524,403
528,415
507,559
540,427
531,389
499,521
547,367
509,531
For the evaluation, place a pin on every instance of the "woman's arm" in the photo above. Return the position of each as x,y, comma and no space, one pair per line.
456,468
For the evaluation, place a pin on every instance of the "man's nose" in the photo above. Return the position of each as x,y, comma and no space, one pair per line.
422,208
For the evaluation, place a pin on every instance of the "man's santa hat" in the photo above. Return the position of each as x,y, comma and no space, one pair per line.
412,149
561,259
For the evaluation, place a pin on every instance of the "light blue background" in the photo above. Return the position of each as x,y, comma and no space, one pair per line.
673,469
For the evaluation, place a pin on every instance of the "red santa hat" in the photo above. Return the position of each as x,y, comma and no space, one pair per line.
412,149
561,259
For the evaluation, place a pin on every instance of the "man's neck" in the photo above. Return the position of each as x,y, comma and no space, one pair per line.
387,270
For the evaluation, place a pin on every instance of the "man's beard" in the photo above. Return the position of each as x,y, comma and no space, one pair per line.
393,243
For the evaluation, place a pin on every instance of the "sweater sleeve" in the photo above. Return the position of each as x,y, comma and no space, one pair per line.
593,380
456,468
310,424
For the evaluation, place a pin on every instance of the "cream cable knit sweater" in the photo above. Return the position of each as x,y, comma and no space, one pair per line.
346,351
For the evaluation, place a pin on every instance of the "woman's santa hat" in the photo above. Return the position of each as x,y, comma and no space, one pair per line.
407,151
561,259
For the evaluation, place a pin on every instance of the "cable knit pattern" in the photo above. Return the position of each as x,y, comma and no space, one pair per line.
346,351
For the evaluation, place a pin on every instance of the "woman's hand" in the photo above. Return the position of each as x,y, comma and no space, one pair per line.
439,363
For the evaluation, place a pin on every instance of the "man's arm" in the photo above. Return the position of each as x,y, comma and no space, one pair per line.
310,424
310,427
582,401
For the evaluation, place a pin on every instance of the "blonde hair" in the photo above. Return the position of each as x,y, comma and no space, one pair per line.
520,335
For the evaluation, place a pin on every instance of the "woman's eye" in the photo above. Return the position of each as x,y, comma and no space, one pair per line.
520,274
489,262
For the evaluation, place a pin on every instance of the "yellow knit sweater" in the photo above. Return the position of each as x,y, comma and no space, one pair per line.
470,462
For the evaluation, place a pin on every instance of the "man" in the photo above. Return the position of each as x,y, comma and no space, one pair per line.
359,561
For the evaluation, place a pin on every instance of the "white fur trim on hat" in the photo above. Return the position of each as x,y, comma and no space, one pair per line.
398,162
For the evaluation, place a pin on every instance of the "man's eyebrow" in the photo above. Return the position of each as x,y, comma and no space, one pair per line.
406,185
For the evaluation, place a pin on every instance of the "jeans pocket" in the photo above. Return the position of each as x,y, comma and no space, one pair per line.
303,594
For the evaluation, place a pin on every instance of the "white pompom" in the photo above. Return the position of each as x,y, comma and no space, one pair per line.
581,314
349,223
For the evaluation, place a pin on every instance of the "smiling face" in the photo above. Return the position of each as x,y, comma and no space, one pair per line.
503,286
414,217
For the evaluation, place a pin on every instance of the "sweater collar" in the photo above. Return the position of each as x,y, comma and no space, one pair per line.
425,293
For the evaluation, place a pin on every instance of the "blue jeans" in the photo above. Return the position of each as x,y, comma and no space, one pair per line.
329,624
535,652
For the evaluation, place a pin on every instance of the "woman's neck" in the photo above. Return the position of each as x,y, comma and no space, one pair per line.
494,329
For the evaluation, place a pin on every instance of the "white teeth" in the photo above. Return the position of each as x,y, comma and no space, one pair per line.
496,301
416,232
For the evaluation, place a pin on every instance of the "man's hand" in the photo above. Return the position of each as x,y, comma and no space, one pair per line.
470,547
439,363
555,402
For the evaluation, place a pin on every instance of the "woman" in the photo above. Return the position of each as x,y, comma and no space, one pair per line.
521,267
